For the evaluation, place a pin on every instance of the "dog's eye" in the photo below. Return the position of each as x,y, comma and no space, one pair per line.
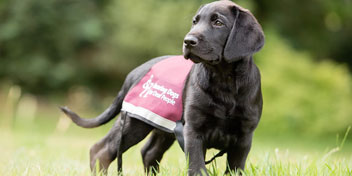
194,22
195,19
218,23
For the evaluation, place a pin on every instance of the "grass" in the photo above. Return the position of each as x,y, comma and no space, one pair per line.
37,149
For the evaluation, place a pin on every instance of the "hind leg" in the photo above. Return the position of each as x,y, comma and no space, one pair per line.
97,150
154,149
105,150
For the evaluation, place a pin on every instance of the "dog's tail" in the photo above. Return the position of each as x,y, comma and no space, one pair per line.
103,118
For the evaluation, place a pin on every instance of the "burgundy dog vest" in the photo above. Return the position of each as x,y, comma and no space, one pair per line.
157,98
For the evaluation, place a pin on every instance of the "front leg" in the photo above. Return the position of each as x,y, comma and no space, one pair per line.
237,155
194,149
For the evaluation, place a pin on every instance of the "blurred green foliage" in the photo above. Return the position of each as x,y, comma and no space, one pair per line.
49,46
42,42
323,27
300,95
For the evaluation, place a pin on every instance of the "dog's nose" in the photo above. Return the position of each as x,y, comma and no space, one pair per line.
190,40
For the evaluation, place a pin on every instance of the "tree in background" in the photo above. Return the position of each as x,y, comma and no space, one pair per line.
45,44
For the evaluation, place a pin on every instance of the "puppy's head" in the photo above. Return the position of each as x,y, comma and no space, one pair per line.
222,30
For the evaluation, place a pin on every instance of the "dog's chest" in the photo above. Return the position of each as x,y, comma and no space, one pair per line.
223,98
221,134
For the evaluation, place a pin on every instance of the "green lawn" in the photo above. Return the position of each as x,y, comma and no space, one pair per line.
37,149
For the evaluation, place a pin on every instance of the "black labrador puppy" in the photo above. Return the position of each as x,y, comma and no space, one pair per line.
222,96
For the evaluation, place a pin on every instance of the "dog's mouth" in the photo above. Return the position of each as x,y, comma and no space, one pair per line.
194,58
197,59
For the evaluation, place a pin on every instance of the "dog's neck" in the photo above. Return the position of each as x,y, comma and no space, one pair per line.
224,70
228,77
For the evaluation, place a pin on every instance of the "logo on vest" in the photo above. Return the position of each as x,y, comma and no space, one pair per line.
156,90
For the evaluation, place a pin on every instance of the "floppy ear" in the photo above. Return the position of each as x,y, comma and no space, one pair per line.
246,36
